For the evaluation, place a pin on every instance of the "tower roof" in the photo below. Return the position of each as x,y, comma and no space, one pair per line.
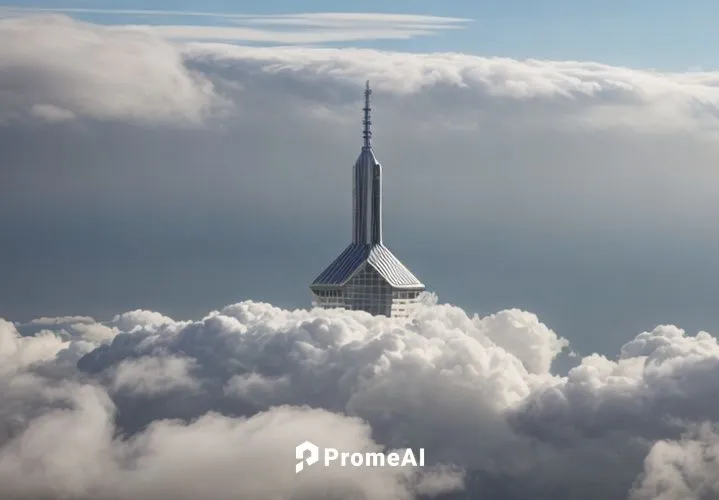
378,256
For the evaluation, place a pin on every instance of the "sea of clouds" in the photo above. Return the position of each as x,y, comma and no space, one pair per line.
144,406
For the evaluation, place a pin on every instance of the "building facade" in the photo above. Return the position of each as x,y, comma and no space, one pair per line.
366,276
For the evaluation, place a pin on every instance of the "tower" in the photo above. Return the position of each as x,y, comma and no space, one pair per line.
367,276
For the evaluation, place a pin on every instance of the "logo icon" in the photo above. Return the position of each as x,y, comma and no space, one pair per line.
306,453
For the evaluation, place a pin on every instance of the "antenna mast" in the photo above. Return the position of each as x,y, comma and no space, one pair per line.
367,132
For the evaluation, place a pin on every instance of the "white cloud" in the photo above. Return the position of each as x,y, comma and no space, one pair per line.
61,320
311,27
681,469
70,327
58,438
139,319
73,453
95,72
51,113
468,89
148,376
522,334
18,352
484,404
54,68
309,18
228,33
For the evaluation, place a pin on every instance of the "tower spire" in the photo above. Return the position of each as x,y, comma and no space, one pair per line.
367,132
366,276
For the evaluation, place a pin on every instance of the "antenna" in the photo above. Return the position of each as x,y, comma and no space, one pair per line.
367,132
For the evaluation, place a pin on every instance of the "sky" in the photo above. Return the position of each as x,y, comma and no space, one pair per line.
172,178
659,34
562,178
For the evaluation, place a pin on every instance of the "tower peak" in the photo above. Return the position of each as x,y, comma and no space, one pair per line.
367,122
367,276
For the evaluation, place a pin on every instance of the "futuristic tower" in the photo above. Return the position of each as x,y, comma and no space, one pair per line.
367,276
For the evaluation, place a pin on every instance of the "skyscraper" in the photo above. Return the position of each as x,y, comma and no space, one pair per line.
367,276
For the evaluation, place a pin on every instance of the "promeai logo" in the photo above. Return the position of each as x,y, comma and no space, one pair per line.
309,453
306,453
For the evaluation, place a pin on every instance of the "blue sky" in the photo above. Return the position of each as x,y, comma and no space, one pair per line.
659,34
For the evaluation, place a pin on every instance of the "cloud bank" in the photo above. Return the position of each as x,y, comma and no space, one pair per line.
131,74
177,409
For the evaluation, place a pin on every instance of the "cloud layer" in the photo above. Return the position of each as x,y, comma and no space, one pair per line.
468,90
96,72
168,409
308,28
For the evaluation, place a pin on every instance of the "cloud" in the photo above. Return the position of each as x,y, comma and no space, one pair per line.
61,320
54,69
73,453
70,327
61,440
18,352
176,84
139,319
524,336
681,468
467,90
215,404
310,28
227,33
51,113
151,376
310,18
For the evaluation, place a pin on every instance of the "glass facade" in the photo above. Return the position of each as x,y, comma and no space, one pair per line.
367,291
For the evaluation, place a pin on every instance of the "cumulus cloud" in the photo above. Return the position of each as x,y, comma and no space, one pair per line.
681,468
151,376
62,439
77,327
17,352
139,319
172,409
73,453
